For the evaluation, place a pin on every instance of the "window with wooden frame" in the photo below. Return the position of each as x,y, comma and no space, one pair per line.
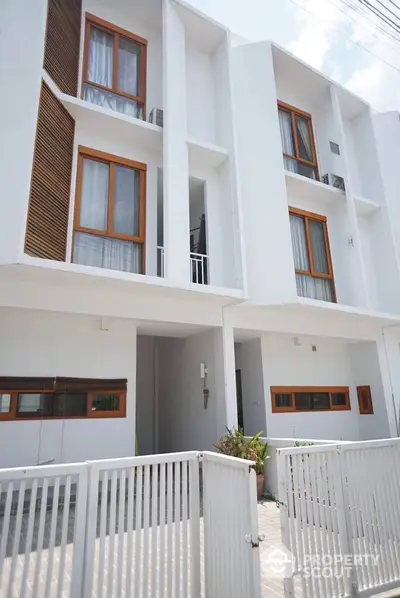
110,212
309,398
312,256
298,143
114,68
365,400
61,398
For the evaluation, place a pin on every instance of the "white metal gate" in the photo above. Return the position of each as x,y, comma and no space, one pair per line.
340,517
130,527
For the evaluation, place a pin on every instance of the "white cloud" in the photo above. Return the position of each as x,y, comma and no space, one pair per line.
319,22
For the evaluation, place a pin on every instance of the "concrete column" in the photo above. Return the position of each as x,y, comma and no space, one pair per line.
389,360
176,164
359,276
225,380
151,222
22,38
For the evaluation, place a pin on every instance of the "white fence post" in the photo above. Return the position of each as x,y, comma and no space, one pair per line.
91,522
283,497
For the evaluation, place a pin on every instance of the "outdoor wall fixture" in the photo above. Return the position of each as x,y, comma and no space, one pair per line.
203,375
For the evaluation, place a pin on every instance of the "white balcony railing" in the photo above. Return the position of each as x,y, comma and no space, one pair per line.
160,262
199,268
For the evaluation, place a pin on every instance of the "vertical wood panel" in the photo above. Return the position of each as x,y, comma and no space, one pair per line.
47,223
61,56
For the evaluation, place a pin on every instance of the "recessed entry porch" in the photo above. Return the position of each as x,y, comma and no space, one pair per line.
299,386
180,389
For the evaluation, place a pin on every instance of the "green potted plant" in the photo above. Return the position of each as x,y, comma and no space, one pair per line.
235,444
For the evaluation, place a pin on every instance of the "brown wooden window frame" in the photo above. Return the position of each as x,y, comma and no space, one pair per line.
12,415
311,272
117,32
112,161
292,390
293,111
369,409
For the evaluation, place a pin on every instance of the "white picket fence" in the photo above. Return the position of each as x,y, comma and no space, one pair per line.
340,518
130,527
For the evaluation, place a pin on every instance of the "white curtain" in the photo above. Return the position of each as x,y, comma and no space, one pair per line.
128,66
305,148
100,67
318,248
314,288
94,201
102,252
308,286
100,70
299,242
285,125
5,402
126,201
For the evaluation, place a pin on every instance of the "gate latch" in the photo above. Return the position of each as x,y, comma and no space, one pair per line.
260,538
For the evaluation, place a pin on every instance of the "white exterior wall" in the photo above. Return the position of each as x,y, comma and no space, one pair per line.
268,248
37,343
20,78
249,361
184,423
284,364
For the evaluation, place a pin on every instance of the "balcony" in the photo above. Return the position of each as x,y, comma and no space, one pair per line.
199,268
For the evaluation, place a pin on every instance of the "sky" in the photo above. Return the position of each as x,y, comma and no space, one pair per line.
326,34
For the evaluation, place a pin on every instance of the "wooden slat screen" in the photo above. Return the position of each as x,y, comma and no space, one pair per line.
47,224
57,384
61,57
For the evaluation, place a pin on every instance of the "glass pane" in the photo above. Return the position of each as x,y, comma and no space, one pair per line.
299,243
112,101
34,405
5,403
126,202
303,401
318,248
129,66
305,170
105,402
314,288
70,404
283,400
339,399
100,65
94,199
285,125
320,400
100,252
304,139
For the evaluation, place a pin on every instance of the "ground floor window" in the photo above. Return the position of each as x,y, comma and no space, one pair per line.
304,398
52,398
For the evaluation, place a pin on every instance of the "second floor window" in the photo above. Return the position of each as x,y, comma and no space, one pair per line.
312,259
114,68
297,141
109,225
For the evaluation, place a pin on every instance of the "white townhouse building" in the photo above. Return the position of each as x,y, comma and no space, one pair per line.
194,234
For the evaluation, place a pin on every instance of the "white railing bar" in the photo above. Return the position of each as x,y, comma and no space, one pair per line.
138,528
129,561
146,531
194,523
53,525
125,462
121,530
39,546
303,450
185,562
170,470
6,525
111,537
227,460
177,592
103,530
161,577
64,535
79,533
29,537
17,536
154,527
373,444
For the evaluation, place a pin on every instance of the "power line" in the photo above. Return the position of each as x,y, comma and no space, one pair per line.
387,9
353,42
394,4
365,15
385,19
